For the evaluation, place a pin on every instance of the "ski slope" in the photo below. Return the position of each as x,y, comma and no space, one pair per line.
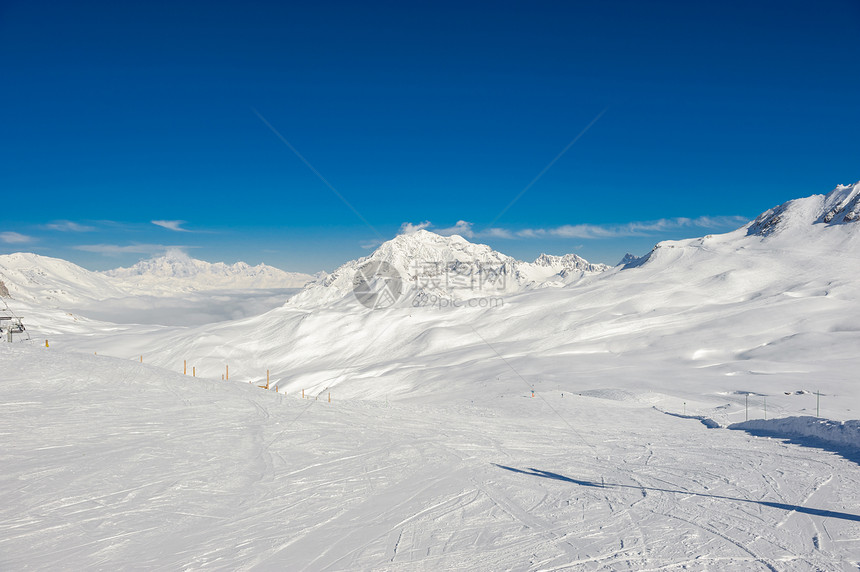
655,416
110,463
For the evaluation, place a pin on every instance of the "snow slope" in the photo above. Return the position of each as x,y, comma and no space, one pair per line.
110,464
52,282
433,454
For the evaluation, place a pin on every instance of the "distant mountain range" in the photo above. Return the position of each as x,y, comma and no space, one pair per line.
429,265
178,272
53,282
772,302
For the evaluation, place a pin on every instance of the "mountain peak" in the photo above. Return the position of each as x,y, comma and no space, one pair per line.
448,267
842,205
839,206
629,259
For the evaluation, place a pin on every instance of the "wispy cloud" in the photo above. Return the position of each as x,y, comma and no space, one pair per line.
409,228
635,228
117,250
171,225
462,228
10,237
68,226
586,231
467,230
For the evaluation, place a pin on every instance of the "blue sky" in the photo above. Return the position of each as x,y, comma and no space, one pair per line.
113,116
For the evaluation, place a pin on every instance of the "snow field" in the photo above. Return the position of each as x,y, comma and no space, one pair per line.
109,462
433,453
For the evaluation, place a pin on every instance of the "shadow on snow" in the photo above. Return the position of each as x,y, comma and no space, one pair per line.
779,505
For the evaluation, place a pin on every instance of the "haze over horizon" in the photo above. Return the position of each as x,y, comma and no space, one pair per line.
304,135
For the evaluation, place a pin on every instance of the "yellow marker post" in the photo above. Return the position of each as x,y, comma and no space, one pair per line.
46,343
184,367
193,371
228,373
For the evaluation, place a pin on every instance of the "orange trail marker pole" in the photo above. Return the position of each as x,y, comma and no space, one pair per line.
194,371
228,373
303,394
184,367
329,396
46,343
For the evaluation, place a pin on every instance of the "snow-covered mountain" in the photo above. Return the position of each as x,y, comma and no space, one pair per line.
628,259
433,267
177,272
56,295
579,409
825,224
53,282
840,206
724,312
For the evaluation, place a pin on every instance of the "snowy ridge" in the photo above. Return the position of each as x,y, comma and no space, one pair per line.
842,205
178,272
839,206
449,267
823,222
52,282
628,259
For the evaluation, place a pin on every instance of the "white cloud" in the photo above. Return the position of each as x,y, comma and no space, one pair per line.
497,233
720,221
171,225
68,226
462,228
636,228
409,228
10,237
587,231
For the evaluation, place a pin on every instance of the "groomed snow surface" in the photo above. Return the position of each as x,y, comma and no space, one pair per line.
613,421
111,464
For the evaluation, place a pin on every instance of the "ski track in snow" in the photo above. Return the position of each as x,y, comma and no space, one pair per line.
108,462
622,461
